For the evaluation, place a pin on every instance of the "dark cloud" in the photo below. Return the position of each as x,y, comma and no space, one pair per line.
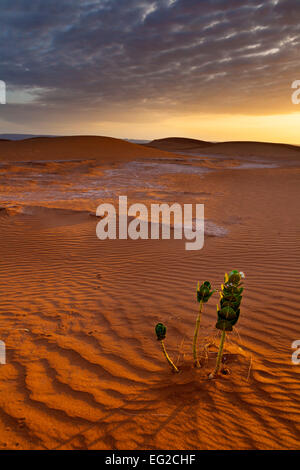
97,56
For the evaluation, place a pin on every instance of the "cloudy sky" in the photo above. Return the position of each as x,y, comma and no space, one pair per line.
213,69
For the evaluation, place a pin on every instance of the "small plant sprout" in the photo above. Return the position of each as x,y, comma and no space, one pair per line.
160,331
204,292
229,310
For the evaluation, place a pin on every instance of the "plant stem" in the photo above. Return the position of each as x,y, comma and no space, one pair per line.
219,357
196,360
168,357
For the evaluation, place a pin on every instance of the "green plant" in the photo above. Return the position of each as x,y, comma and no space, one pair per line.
204,293
160,331
229,310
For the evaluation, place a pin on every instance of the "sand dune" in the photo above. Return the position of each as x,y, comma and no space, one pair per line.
84,370
176,144
234,148
108,149
74,148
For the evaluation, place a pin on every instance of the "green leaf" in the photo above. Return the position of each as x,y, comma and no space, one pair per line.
227,313
224,325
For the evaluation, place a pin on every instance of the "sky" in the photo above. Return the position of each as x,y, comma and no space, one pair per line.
213,70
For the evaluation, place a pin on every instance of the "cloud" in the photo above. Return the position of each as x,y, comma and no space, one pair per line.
100,57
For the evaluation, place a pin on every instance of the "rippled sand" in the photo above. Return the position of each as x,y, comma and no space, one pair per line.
84,370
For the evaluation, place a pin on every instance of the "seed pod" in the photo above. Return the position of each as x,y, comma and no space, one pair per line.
204,292
160,331
234,277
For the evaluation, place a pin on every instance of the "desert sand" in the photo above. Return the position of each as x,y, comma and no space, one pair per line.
83,367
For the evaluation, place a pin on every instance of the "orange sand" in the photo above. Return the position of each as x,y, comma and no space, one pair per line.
84,370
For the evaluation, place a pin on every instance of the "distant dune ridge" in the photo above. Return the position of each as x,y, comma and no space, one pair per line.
22,136
75,148
178,143
230,148
112,149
